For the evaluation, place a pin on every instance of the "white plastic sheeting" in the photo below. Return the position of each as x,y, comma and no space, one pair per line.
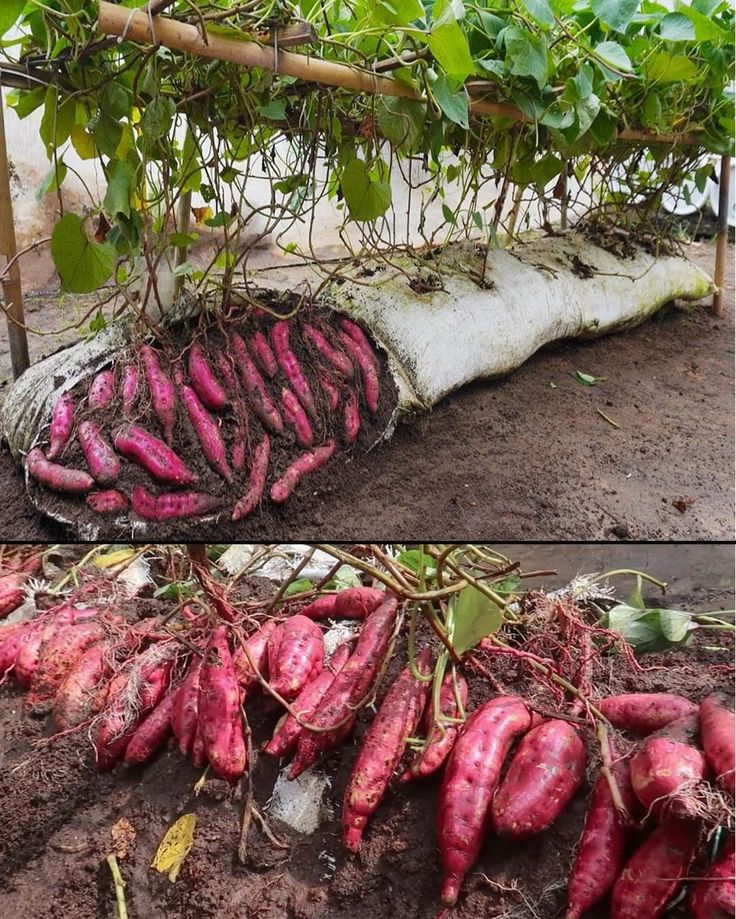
532,295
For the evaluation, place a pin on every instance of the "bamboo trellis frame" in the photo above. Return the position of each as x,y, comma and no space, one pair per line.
141,25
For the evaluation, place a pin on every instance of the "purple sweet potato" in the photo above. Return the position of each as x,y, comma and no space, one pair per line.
56,477
153,455
602,850
101,390
286,735
337,711
469,784
295,655
351,418
129,389
185,709
291,409
12,591
668,766
263,353
308,462
172,505
256,480
107,502
257,645
163,394
152,733
206,385
432,757
291,367
645,712
653,874
358,602
57,657
255,388
331,391
220,723
544,774
712,897
78,697
354,331
62,423
334,356
208,432
369,373
717,732
100,456
382,749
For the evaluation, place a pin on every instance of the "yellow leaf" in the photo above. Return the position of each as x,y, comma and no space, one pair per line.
111,559
202,213
175,846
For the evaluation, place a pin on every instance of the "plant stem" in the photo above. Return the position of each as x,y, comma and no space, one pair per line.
119,884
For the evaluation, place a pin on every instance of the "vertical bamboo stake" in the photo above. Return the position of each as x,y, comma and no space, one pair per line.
182,226
12,291
722,237
563,200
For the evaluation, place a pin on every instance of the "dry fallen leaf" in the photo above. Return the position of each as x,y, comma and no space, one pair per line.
123,837
175,846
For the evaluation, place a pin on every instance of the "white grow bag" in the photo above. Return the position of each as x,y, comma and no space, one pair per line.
437,341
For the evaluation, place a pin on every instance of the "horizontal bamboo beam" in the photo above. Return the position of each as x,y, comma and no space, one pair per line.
137,25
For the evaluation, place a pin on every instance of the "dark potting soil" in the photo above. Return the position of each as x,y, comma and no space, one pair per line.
327,425
57,816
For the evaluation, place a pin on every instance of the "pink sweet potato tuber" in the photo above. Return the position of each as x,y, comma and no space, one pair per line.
12,592
668,766
358,602
469,784
172,505
291,409
351,419
57,478
206,385
107,502
440,739
291,367
62,423
57,657
602,850
369,373
185,708
321,608
287,733
153,455
652,874
101,390
208,432
382,749
331,391
717,734
354,331
78,697
334,356
257,645
255,388
263,353
308,462
544,774
219,718
645,712
129,389
712,897
256,480
100,456
163,395
152,733
295,655
338,708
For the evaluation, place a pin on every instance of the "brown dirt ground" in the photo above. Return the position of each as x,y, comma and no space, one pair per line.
527,456
57,814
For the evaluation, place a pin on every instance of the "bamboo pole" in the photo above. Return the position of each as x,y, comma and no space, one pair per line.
137,25
564,193
11,283
724,183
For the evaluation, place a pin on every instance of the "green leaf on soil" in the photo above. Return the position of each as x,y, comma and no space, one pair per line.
474,617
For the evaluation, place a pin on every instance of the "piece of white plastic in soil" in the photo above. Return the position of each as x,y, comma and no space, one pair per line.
280,565
301,803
